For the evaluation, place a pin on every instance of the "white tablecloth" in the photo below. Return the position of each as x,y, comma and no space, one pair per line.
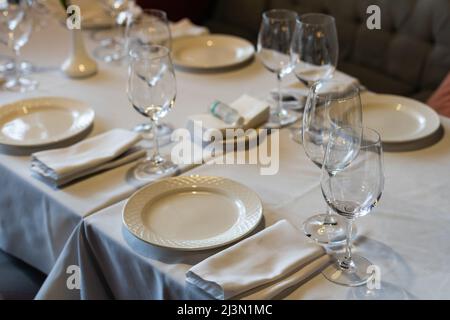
406,236
35,220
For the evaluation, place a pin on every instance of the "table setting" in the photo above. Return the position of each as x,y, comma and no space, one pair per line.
93,185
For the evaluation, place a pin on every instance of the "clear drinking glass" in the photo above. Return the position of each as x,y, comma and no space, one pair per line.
317,48
152,91
113,49
328,106
151,27
277,31
16,25
352,183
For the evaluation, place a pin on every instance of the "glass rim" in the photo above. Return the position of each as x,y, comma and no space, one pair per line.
136,51
368,143
272,11
351,90
328,19
162,13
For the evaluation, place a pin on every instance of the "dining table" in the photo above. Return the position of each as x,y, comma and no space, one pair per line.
81,225
36,220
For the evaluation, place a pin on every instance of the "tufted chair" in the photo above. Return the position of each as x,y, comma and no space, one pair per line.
409,56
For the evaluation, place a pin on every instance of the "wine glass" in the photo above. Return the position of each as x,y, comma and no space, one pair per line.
275,39
317,48
113,49
152,91
352,189
16,24
329,105
150,27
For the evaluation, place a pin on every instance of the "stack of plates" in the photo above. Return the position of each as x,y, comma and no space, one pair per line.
399,120
192,212
41,122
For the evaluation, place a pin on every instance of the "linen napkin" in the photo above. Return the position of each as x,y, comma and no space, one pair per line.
254,111
104,151
185,27
264,264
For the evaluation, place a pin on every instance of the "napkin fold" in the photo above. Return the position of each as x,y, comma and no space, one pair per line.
104,151
254,111
185,27
262,265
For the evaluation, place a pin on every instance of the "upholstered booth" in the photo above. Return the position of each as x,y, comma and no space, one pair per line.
410,55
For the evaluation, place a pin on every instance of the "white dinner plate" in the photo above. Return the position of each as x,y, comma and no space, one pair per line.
43,121
214,51
398,119
192,212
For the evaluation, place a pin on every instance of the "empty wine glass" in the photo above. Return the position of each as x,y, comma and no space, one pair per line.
329,105
152,91
150,27
352,189
275,39
317,48
113,49
16,25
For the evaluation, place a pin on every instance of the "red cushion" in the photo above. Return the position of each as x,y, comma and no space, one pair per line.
440,100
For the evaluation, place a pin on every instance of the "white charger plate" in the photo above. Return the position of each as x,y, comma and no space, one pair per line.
192,212
398,119
214,51
42,121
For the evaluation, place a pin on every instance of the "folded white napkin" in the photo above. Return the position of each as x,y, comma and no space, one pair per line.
104,151
262,265
254,111
185,27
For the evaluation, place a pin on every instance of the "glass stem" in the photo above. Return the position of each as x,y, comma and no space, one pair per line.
16,61
278,107
155,155
329,219
347,262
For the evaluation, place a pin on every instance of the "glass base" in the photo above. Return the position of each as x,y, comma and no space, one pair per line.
332,233
354,275
386,291
109,51
151,169
20,85
281,119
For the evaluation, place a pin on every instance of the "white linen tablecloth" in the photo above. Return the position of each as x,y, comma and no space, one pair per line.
406,236
36,220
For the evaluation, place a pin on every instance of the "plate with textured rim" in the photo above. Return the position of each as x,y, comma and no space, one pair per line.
398,119
43,121
192,212
211,52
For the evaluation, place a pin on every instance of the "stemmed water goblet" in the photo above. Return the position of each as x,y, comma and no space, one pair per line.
317,49
275,51
113,49
327,108
16,25
150,27
152,91
352,183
